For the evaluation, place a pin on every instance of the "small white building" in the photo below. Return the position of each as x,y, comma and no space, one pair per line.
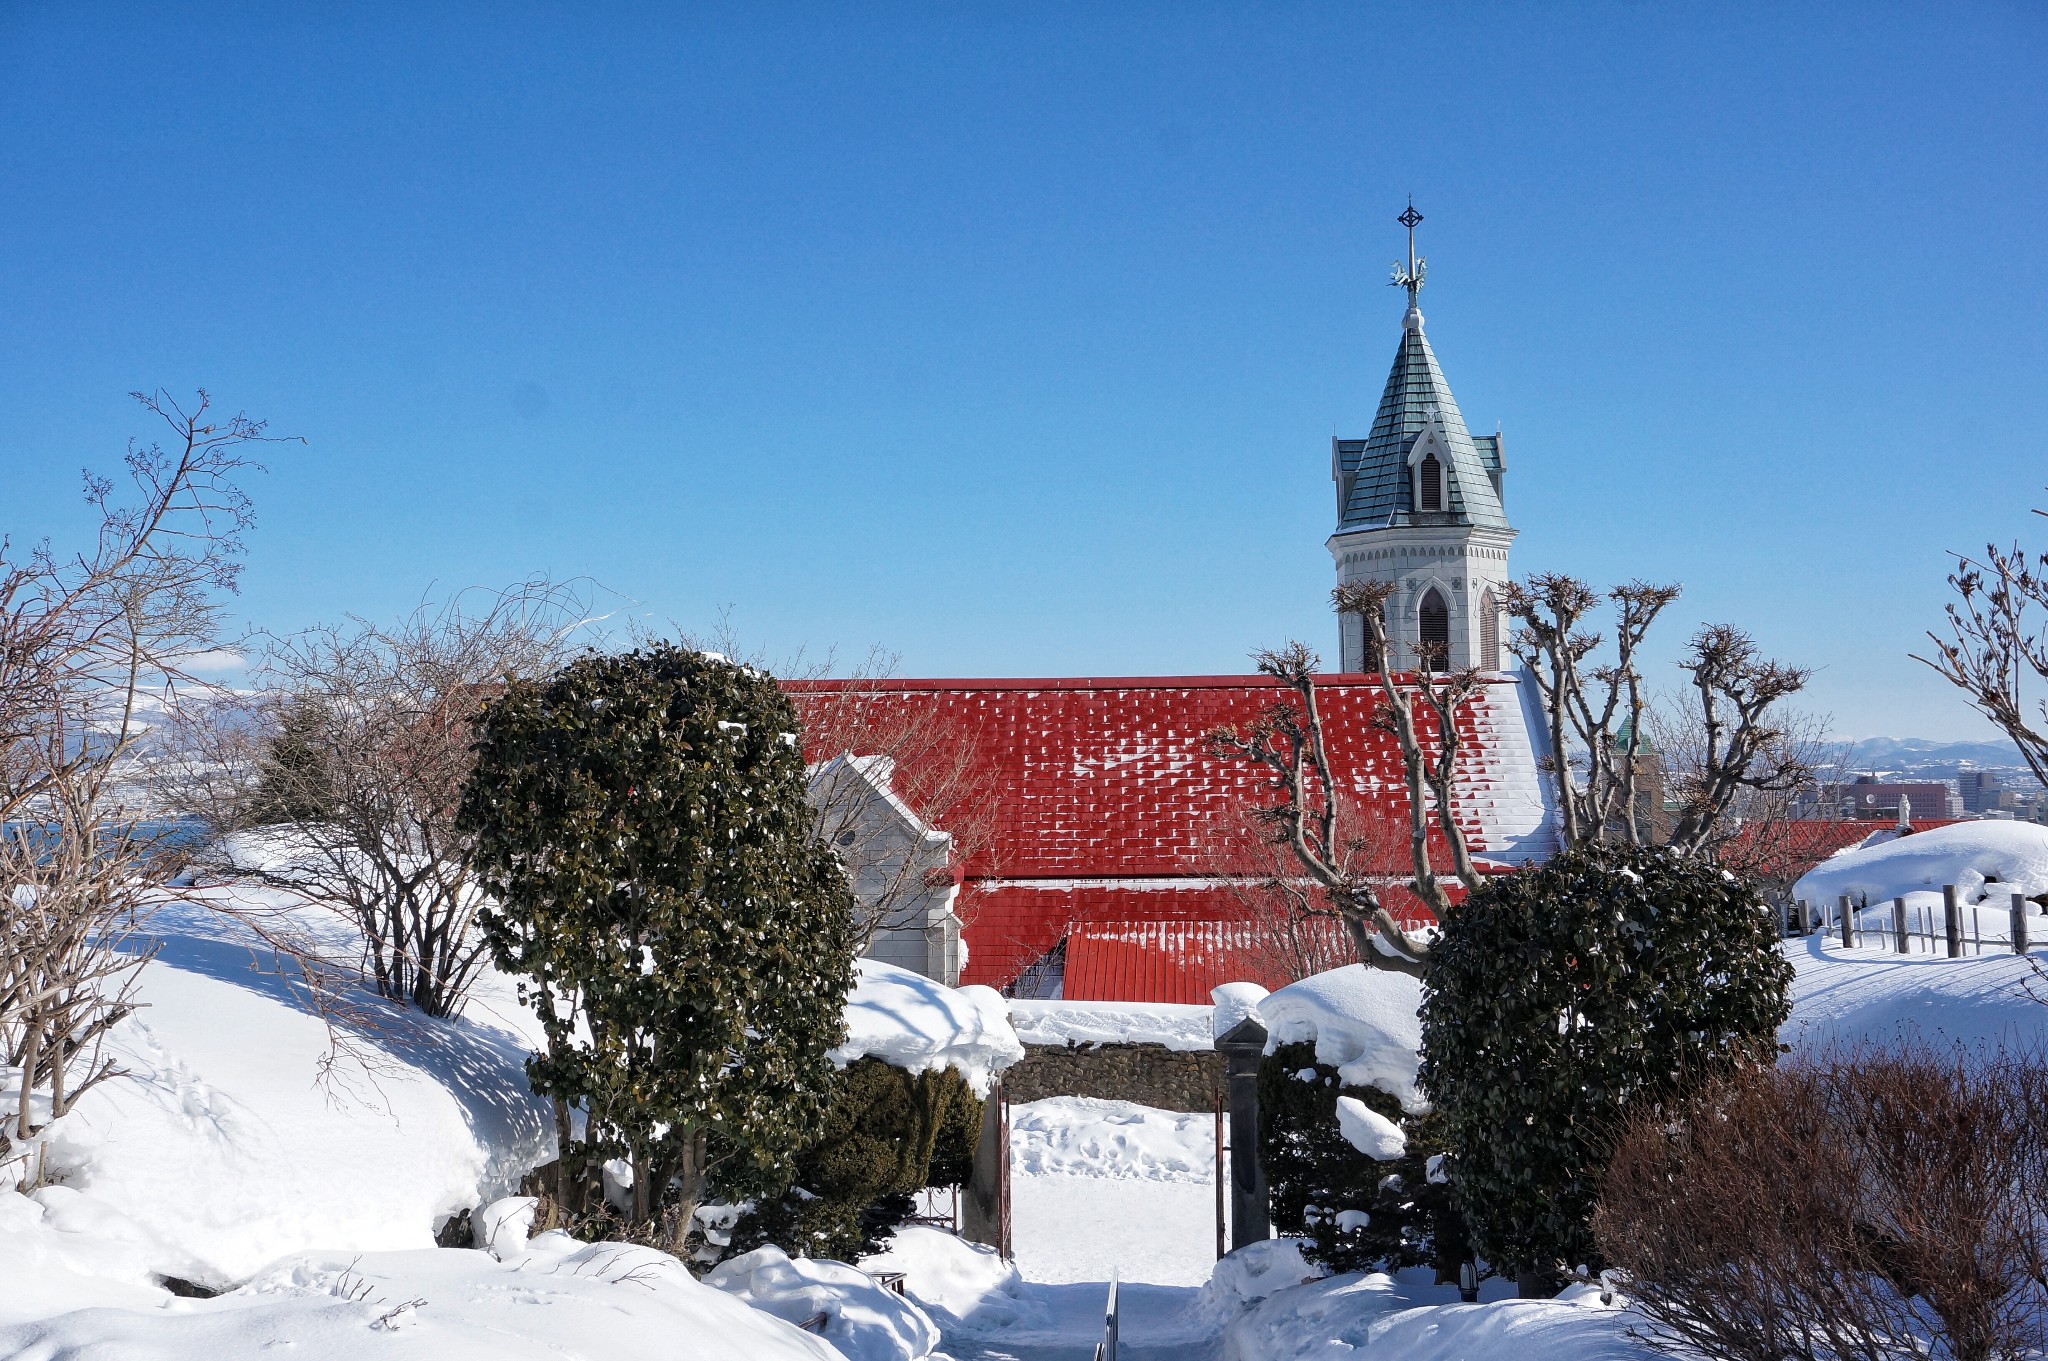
901,869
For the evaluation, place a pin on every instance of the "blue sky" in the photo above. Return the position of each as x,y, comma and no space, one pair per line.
1013,337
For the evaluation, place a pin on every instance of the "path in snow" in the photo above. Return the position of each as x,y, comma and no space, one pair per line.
1100,1186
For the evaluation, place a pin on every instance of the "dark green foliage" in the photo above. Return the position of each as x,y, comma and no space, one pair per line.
1558,996
1314,1176
641,822
294,782
881,1140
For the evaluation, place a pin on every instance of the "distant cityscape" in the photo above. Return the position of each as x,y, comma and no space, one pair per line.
1931,781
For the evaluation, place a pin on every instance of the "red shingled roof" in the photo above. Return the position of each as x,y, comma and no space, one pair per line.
1108,807
1169,961
1781,852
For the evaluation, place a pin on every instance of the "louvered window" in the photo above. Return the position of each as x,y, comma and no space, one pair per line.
1489,633
1432,477
1435,640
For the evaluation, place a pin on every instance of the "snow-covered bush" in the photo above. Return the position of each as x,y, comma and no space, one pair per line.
1359,1212
1558,996
641,822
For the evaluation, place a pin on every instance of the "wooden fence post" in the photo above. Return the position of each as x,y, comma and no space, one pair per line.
1899,923
1952,920
1848,921
2019,923
1805,918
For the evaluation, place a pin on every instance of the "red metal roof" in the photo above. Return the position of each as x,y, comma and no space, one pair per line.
1169,961
1784,851
1109,808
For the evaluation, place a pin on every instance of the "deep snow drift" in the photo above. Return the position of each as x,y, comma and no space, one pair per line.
1986,861
911,1022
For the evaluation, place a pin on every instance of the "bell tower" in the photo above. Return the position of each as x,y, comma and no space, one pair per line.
1419,504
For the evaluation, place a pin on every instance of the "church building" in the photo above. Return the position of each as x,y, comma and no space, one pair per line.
1107,873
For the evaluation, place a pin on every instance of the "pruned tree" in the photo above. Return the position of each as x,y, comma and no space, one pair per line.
88,642
1306,809
1725,742
1744,748
1593,711
1293,931
1996,650
355,759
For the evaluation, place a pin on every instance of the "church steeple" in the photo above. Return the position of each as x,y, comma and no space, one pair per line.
1419,499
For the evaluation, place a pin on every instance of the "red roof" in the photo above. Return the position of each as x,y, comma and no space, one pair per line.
1784,851
1108,807
1173,961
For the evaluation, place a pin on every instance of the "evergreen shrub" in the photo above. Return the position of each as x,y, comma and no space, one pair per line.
1358,1214
1558,997
887,1134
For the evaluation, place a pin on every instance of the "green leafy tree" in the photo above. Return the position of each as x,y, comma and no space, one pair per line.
1557,998
640,822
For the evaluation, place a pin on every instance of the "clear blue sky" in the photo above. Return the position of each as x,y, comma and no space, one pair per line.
1013,337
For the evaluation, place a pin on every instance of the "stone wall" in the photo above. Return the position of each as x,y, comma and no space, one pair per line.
1149,1074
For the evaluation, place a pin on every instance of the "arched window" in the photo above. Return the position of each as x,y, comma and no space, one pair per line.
1489,632
1434,644
1432,478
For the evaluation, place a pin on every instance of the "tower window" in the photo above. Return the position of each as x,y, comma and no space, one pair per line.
1489,632
1432,477
1434,643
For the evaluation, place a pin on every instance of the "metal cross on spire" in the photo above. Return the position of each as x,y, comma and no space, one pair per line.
1411,277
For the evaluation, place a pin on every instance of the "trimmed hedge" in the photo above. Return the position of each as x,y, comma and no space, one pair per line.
1559,996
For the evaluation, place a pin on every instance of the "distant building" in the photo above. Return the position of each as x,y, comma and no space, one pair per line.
1868,797
1979,789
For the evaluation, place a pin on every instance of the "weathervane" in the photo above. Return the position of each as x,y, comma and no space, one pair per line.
1411,277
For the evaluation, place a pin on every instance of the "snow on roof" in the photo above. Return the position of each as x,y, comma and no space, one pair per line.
915,1023
1108,806
1984,860
1111,777
1364,1022
1175,1025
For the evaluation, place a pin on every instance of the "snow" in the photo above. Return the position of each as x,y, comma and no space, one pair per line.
1869,996
1368,1131
1986,861
224,1149
1085,1137
914,1023
860,1318
1364,1022
1407,1317
1176,1025
1235,1004
563,1298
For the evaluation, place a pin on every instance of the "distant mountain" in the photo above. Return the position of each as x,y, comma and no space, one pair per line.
1917,753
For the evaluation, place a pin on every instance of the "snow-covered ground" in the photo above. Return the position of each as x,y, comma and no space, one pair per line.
223,1160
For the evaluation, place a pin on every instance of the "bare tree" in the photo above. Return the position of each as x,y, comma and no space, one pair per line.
87,641
1294,932
1743,749
1996,649
1731,743
1594,713
355,756
1767,831
1862,1206
1306,811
